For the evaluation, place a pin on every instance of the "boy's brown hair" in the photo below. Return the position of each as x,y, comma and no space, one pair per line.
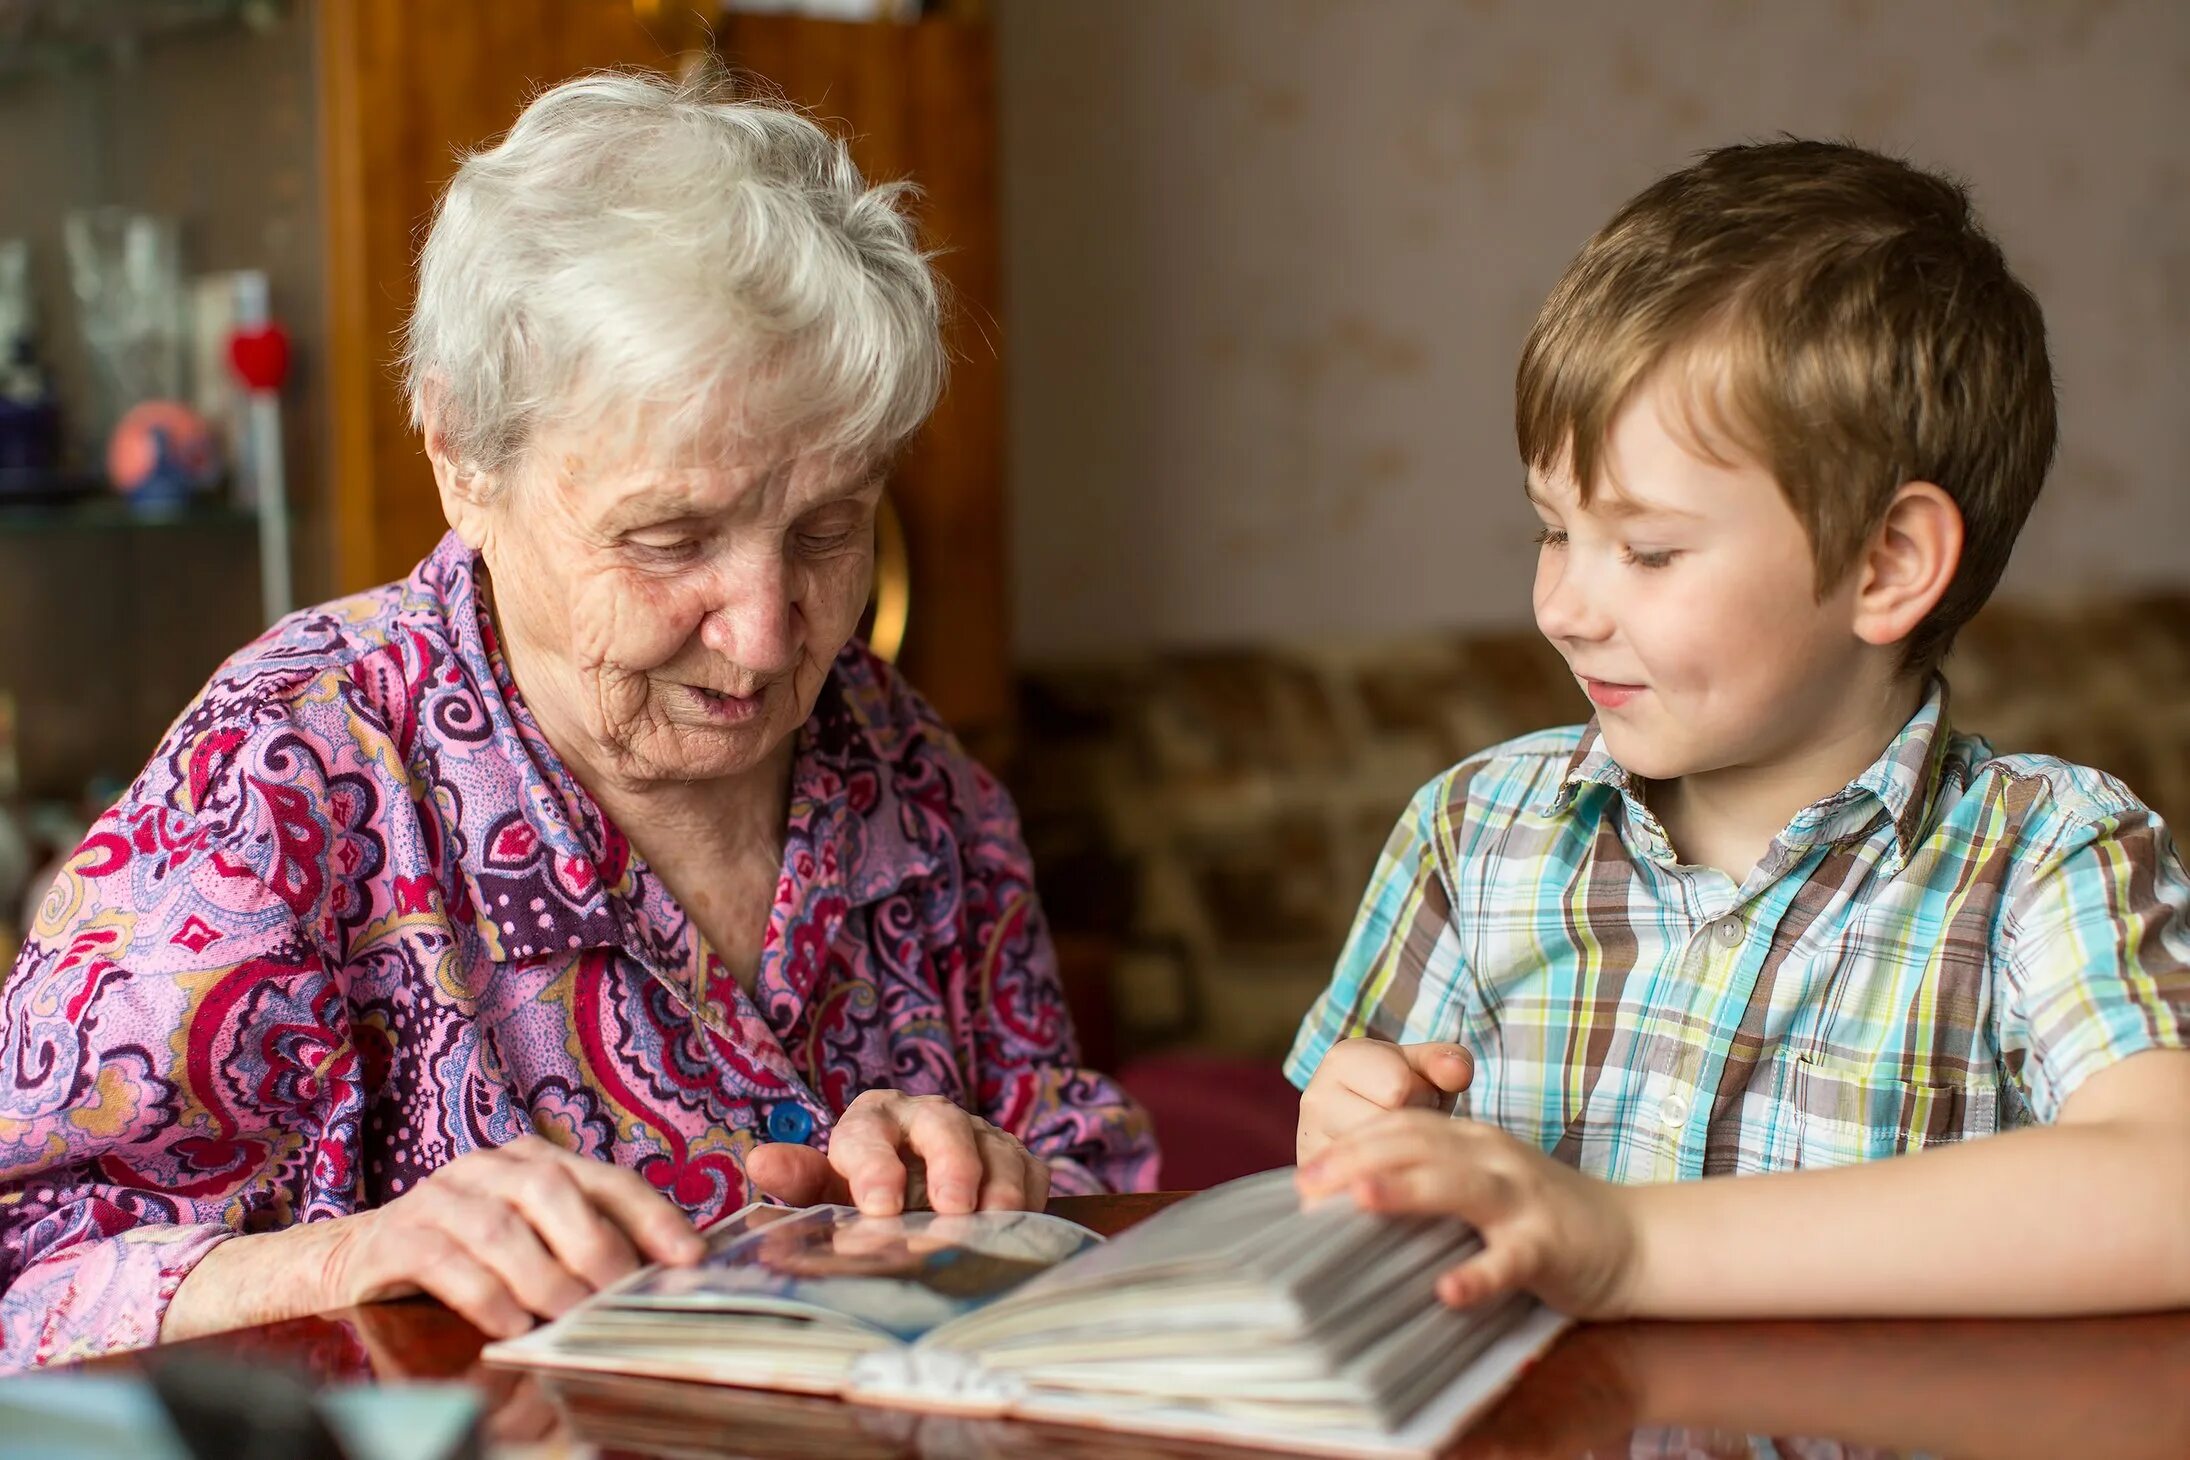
1860,329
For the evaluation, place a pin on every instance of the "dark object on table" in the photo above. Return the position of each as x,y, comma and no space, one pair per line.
201,1405
229,1411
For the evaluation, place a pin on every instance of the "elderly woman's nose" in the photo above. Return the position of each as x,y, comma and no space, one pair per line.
756,623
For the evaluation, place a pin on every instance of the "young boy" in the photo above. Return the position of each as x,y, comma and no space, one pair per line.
1768,913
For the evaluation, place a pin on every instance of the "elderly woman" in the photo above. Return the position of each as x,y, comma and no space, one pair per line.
481,934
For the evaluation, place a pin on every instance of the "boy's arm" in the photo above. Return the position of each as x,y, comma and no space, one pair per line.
1396,979
2083,1216
1400,969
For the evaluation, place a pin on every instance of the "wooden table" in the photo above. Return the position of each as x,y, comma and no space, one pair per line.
2087,1387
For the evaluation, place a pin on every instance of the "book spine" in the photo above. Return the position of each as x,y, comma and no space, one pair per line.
925,1378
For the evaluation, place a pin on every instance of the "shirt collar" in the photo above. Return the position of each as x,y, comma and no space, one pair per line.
1902,782
1590,765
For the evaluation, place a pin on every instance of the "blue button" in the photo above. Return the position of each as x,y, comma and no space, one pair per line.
790,1122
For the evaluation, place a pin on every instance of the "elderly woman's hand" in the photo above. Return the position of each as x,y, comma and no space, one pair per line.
502,1236
505,1235
887,1145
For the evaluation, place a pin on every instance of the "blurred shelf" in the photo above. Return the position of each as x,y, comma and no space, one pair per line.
62,35
105,512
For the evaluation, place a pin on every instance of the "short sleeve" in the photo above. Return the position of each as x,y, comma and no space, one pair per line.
2096,960
1402,959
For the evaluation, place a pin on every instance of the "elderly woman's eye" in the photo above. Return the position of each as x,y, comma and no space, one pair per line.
665,550
817,544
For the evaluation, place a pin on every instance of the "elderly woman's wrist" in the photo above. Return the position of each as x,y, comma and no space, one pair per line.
265,1277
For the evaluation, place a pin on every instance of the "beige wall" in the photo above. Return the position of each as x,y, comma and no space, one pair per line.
1270,262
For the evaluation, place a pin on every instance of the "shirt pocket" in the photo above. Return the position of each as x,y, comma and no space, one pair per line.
1848,1112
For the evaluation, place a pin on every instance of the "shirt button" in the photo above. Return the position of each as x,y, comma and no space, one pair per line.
790,1123
1674,1110
1728,931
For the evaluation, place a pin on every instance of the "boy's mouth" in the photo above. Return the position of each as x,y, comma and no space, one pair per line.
1608,694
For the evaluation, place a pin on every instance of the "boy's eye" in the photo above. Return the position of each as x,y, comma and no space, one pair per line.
1640,559
1550,537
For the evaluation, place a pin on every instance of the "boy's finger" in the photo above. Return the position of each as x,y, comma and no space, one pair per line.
1485,1277
1399,1166
1386,1080
1447,1067
1371,1149
1438,1185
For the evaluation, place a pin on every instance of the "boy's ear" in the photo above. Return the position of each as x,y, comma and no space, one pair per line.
465,493
1908,564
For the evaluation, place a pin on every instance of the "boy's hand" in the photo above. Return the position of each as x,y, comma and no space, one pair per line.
1568,1238
1361,1079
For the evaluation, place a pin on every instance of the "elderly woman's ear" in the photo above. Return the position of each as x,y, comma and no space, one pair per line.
465,493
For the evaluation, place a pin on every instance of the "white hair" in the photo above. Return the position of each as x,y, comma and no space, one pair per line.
668,254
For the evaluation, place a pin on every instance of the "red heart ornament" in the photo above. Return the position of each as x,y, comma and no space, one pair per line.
261,356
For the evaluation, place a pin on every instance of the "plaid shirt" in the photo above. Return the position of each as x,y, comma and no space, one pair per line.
1944,948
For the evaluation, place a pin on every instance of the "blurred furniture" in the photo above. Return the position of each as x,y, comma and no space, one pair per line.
406,84
184,113
1216,1116
113,622
2109,1386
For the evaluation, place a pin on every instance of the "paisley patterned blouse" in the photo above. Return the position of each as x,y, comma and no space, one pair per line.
356,919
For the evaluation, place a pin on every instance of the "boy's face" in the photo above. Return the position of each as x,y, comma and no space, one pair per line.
1683,598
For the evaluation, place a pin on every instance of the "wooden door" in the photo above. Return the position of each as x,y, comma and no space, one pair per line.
405,84
918,101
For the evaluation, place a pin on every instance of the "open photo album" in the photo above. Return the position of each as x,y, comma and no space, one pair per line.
1234,1317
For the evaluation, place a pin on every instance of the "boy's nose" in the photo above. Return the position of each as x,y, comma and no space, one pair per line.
1566,611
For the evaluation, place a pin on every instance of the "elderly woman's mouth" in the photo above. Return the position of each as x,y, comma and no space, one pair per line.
728,708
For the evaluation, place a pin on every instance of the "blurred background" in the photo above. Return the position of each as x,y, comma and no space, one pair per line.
1216,548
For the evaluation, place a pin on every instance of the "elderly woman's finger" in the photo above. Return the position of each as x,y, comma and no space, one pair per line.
546,1192
441,1267
865,1152
1008,1180
798,1176
661,1232
943,1136
499,1238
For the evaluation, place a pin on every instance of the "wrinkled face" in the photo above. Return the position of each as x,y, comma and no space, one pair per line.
675,623
1683,599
